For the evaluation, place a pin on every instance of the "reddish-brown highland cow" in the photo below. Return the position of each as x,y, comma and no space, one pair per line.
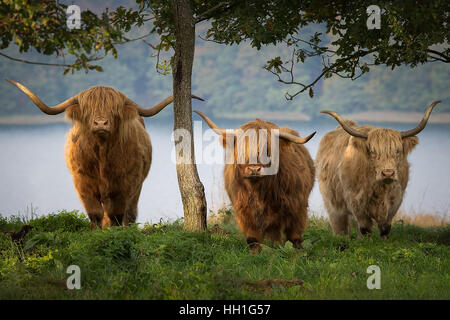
108,151
363,172
267,205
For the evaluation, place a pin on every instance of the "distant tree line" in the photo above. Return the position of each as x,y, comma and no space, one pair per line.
232,80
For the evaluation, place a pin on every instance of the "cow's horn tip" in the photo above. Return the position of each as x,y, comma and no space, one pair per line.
312,135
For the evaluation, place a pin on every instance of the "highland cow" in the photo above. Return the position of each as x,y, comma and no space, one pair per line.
363,172
108,151
268,204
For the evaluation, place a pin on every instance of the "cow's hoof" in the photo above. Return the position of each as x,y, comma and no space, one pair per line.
254,245
385,230
255,249
297,243
365,231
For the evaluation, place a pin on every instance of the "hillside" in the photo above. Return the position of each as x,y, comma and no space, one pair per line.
230,78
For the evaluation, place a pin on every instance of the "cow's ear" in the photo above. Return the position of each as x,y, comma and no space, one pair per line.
223,139
73,112
130,113
410,143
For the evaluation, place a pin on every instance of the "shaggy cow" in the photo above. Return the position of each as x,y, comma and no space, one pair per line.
363,172
267,205
108,151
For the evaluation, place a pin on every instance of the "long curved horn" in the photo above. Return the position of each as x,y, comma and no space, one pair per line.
149,112
296,139
345,126
41,105
212,125
422,124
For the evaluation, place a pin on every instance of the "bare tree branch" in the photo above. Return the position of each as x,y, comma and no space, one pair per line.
312,45
135,39
330,68
211,40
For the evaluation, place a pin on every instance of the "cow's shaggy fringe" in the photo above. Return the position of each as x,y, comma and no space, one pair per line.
108,103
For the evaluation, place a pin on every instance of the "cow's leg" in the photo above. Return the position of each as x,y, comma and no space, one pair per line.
132,210
385,229
253,241
364,223
385,226
253,235
273,233
94,210
89,197
130,215
339,223
296,227
115,209
339,219
294,234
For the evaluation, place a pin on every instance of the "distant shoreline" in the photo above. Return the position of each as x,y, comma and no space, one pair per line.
366,116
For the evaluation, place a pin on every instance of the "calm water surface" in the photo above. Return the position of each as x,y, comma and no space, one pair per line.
33,172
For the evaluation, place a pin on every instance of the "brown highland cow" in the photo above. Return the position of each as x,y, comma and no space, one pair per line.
363,172
267,205
108,151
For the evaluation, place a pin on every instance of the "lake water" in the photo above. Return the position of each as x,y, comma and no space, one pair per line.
33,172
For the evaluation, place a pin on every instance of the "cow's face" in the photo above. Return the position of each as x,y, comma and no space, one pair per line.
386,151
252,152
101,111
258,147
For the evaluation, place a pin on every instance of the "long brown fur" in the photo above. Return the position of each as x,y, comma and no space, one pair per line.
269,205
107,174
349,173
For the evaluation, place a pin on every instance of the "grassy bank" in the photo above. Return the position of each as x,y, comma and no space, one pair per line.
164,262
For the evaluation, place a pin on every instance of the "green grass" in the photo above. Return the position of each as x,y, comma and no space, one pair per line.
164,262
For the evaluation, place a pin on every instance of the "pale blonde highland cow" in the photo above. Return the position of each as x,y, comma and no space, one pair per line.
363,172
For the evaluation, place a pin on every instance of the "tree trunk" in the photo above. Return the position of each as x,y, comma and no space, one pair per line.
191,188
